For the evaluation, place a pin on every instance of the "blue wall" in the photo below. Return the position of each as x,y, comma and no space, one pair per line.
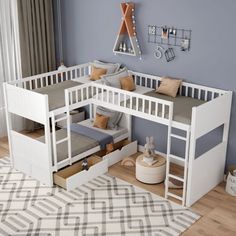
90,28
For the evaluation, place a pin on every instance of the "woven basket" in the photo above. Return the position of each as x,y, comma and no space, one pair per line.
231,184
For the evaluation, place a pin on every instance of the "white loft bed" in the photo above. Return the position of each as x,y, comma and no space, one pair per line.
41,159
204,118
214,111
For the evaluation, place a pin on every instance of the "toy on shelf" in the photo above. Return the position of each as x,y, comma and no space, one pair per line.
126,41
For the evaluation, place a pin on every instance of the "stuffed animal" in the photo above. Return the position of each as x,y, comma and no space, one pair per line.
85,164
149,147
149,151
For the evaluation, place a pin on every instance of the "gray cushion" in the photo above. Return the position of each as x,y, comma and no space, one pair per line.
110,67
114,116
113,80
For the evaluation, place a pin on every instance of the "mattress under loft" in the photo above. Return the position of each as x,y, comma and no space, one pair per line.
81,143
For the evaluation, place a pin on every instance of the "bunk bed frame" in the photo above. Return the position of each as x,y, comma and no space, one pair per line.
205,118
21,100
40,160
199,176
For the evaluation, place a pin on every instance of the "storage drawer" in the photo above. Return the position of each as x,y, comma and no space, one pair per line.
128,148
73,176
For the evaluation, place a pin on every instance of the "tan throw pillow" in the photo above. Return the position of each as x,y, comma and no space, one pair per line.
101,121
169,86
97,72
127,83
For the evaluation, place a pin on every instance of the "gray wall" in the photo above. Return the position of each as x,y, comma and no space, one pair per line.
90,28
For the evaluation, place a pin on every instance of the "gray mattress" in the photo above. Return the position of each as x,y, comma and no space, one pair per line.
182,106
56,93
79,143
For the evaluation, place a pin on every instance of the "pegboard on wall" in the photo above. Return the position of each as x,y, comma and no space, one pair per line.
170,36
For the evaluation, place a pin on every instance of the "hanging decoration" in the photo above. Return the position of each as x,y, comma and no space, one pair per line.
126,41
170,37
158,52
169,54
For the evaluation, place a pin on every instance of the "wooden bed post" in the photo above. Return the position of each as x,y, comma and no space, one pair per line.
91,111
48,141
129,125
226,125
192,150
8,116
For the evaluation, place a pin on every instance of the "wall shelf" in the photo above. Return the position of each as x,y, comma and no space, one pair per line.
127,34
125,53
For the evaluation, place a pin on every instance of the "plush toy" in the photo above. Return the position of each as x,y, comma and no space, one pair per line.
149,150
149,147
85,164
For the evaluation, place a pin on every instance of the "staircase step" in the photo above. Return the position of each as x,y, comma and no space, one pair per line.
176,177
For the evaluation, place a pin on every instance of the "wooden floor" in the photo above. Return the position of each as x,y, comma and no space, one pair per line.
217,208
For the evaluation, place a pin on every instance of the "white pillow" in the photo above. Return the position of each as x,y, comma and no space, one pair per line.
113,80
110,67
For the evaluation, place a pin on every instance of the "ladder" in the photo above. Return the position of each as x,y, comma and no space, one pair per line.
56,141
182,160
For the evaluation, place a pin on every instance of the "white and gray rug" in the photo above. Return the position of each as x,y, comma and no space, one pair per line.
104,206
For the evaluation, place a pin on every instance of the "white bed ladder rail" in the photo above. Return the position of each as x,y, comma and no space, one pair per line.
184,160
56,141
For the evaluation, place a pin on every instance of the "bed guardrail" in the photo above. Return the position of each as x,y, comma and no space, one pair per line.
54,77
187,89
150,108
26,104
75,97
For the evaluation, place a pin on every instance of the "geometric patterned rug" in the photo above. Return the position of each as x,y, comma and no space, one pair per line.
103,206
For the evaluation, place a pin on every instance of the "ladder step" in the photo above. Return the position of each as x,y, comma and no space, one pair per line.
177,158
175,196
64,162
178,137
62,140
60,119
176,177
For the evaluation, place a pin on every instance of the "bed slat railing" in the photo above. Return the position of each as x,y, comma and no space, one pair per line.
128,102
54,77
186,89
